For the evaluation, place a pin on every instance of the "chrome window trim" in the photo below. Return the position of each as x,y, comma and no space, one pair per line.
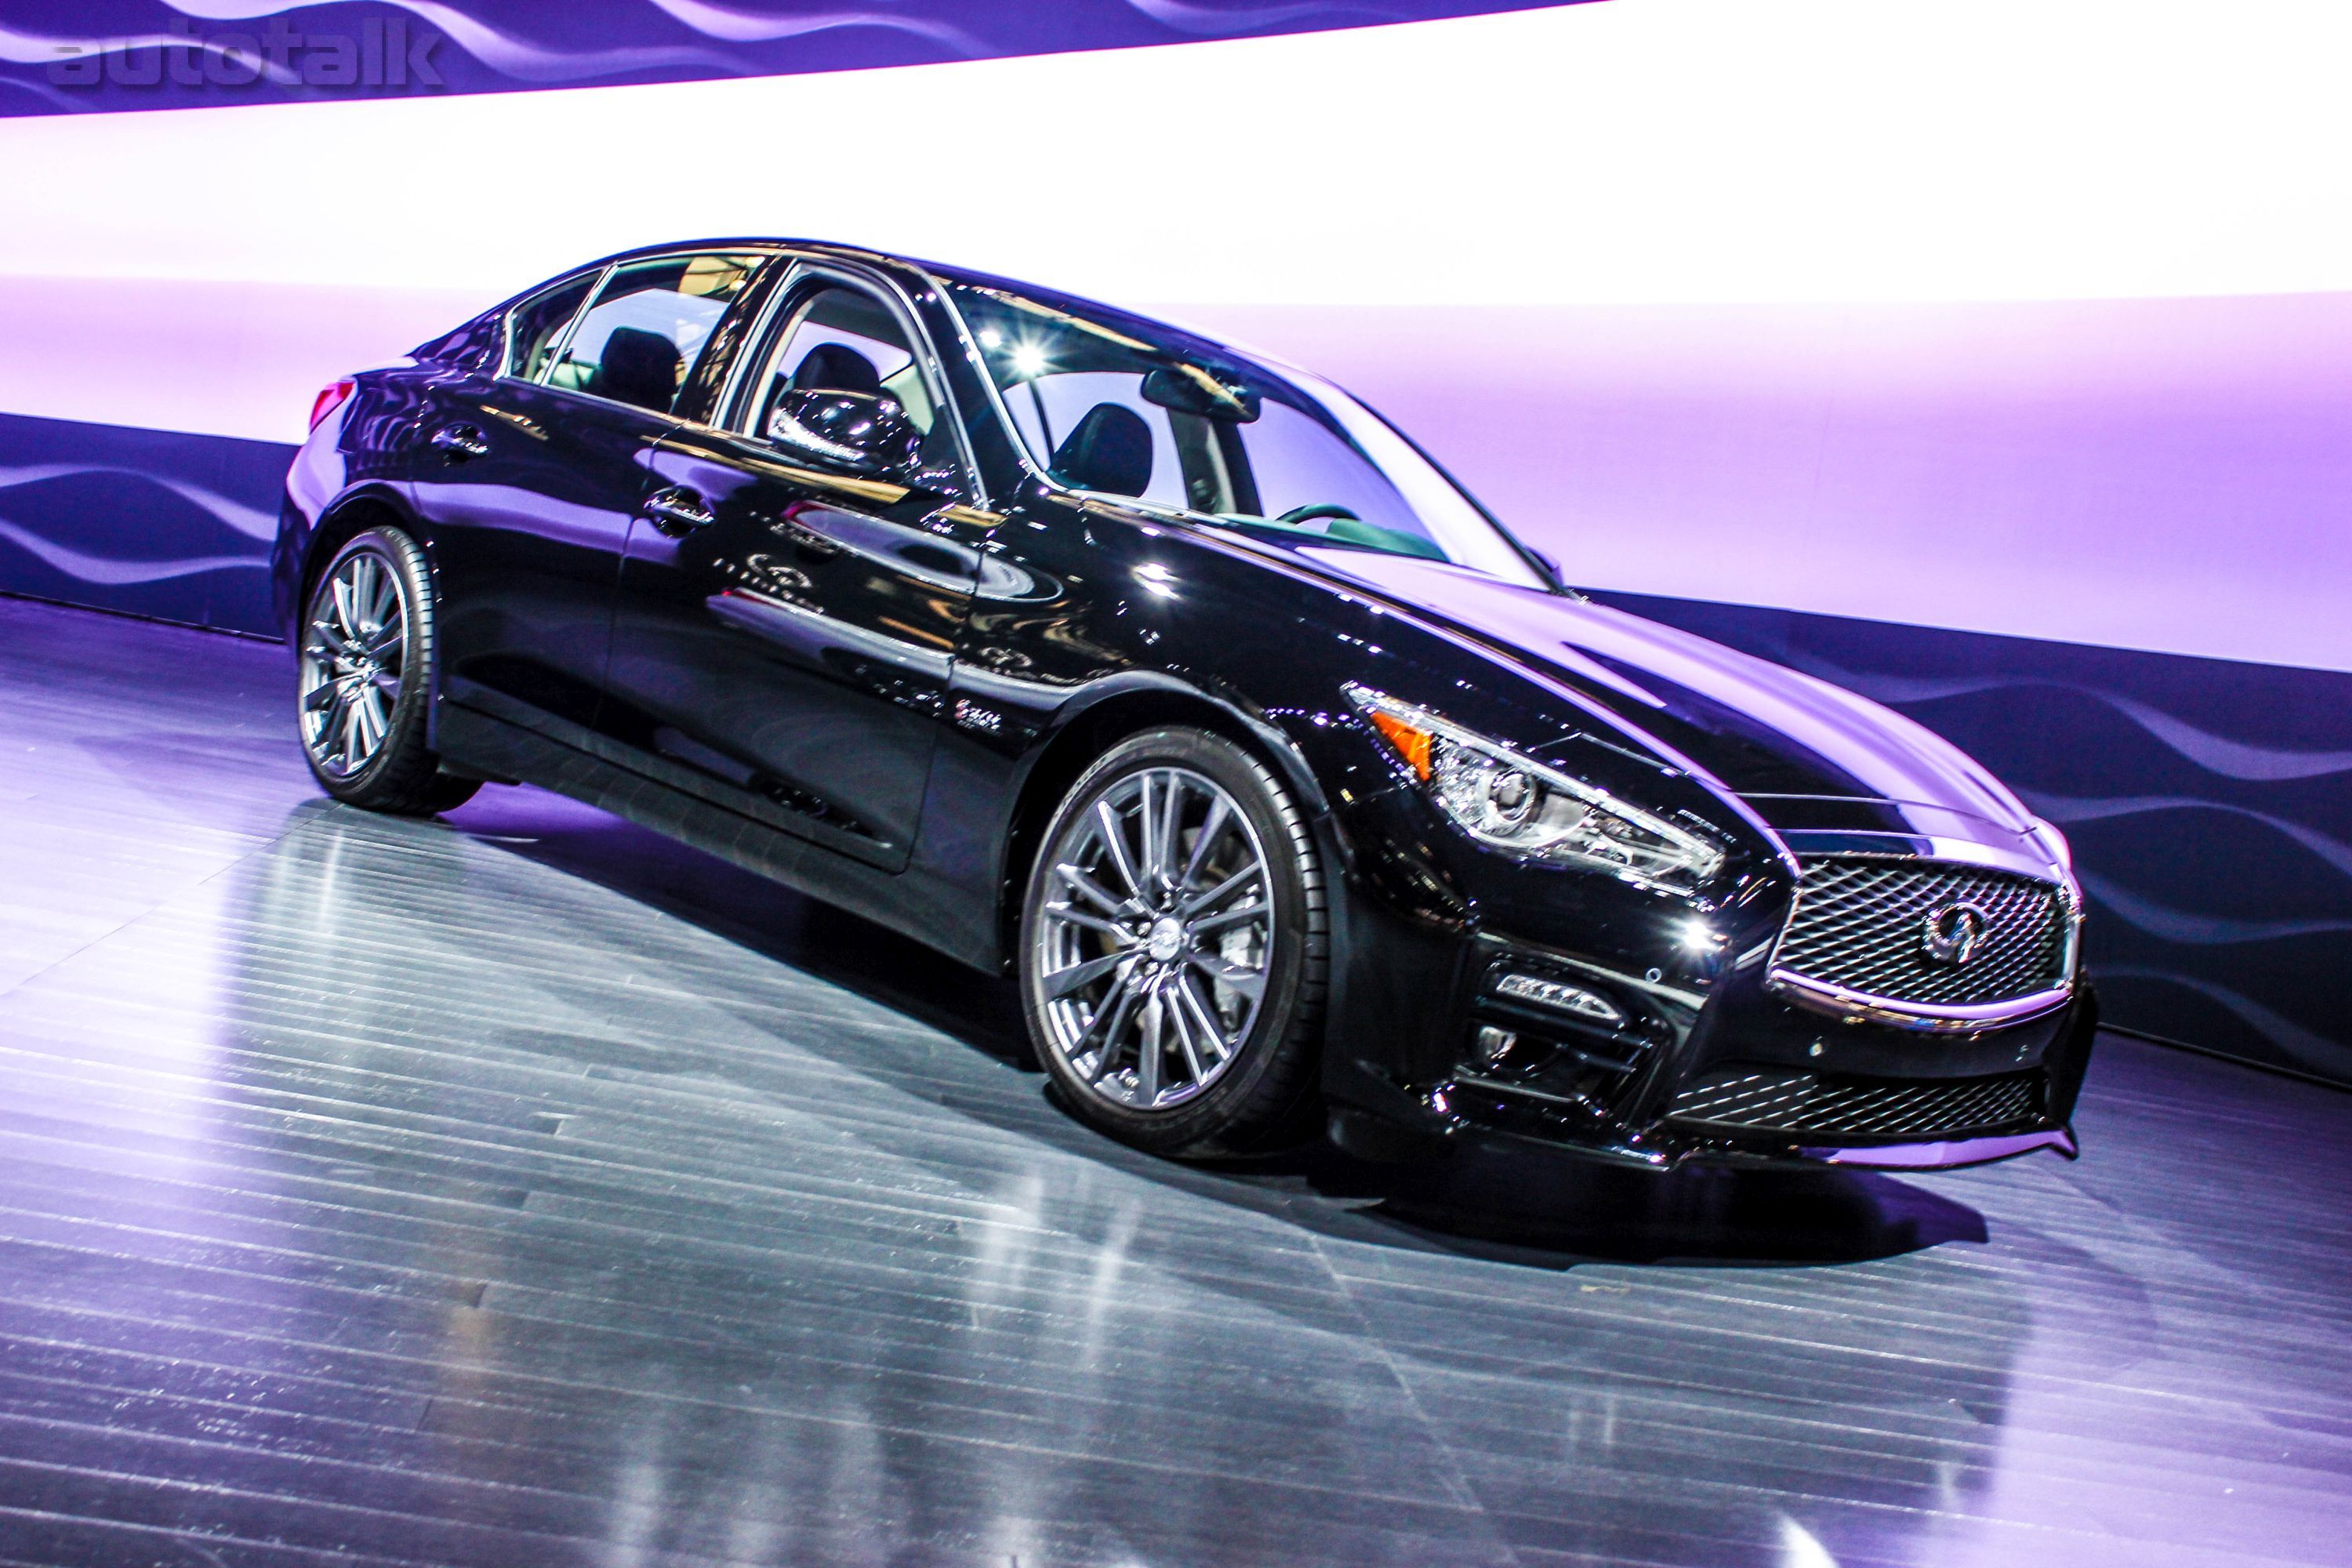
571,327
563,339
730,412
507,315
1054,489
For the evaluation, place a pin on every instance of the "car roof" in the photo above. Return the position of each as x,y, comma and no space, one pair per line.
1190,342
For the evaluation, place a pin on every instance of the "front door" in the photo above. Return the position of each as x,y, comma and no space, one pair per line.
785,628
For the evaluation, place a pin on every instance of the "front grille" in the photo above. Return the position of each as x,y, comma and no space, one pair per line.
1862,924
1778,1100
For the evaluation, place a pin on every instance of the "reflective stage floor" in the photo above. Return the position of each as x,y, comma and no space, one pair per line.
519,1190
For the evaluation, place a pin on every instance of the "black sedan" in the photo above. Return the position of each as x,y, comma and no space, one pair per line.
1177,681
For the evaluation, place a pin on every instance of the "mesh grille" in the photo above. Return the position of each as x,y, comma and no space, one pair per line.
1775,1100
1862,924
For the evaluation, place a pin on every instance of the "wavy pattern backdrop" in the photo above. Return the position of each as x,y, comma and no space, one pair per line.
2161,472
504,45
149,522
2206,801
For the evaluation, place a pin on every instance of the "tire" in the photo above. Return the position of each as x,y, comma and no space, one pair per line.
1138,966
365,675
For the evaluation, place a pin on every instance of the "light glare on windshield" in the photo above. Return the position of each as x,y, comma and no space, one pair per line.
1184,425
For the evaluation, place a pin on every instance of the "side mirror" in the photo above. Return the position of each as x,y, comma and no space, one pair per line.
864,433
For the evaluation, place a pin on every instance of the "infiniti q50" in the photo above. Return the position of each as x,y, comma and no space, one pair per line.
1179,684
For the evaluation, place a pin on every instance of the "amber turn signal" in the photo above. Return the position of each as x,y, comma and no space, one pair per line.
1412,744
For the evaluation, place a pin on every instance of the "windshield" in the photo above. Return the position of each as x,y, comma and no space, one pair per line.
1115,405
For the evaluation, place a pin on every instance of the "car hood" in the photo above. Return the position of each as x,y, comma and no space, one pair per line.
1824,768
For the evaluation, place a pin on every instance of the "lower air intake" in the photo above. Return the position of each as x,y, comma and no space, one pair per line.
1777,1101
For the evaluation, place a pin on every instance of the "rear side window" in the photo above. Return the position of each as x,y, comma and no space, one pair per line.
650,321
536,326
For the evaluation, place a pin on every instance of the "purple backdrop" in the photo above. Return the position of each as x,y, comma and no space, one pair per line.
2103,545
505,45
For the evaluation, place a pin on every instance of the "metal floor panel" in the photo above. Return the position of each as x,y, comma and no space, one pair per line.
521,1189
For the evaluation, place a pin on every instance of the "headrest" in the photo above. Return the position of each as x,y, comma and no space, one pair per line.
837,367
1109,451
637,366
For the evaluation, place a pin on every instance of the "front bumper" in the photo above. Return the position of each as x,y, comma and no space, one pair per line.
1655,1030
1737,1074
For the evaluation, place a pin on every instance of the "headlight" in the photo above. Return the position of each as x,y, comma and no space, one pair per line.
1511,801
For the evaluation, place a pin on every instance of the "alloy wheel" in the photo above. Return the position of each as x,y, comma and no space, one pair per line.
1152,951
354,659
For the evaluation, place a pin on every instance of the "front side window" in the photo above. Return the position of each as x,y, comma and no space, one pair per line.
1130,441
639,341
1115,405
841,338
536,326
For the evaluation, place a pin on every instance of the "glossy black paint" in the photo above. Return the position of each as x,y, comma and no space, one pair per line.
874,683
528,495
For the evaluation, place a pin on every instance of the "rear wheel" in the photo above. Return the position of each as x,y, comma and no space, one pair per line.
1174,947
364,679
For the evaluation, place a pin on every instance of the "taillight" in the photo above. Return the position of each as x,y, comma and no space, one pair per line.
330,397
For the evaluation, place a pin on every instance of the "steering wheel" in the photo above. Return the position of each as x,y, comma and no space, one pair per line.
1318,510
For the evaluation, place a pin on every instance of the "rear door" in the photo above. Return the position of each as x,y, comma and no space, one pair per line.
527,479
786,626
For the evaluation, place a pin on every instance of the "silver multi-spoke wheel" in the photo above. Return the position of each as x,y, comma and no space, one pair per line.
354,658
1152,952
364,677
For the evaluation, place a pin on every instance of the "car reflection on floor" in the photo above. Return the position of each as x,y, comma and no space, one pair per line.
522,1188
728,1223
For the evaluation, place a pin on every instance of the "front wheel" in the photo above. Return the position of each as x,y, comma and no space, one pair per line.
364,679
1174,947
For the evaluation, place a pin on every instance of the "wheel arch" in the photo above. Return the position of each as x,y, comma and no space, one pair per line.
344,519
1090,724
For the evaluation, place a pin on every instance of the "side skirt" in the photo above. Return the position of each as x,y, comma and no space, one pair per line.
905,902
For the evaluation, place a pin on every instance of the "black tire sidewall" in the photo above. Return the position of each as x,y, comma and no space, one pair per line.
403,764
1259,1092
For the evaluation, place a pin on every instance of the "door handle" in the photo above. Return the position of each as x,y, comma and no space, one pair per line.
460,442
677,511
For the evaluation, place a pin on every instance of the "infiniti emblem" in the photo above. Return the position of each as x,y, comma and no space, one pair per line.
1950,933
